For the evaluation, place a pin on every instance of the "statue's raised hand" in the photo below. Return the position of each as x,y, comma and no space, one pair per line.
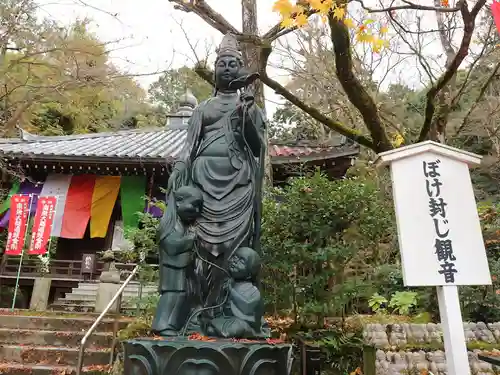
247,98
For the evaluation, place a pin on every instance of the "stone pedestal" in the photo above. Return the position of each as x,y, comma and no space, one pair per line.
108,286
40,295
181,356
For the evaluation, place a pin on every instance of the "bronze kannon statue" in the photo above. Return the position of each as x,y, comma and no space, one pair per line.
212,218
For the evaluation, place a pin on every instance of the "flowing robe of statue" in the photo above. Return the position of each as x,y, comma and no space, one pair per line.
220,157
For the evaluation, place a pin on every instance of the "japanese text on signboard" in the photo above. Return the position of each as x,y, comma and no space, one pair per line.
443,244
19,210
42,225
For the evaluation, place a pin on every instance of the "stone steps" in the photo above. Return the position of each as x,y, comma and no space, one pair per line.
72,307
53,355
87,303
56,323
17,369
128,293
53,338
50,344
82,298
131,286
85,306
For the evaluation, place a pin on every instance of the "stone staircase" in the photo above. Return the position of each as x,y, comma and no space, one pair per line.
82,298
49,345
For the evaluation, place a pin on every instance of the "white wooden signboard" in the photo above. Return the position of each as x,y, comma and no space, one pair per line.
439,233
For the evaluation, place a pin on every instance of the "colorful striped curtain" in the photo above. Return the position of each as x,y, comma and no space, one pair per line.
78,206
132,192
103,200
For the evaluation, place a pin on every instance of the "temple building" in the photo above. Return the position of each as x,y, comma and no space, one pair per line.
102,180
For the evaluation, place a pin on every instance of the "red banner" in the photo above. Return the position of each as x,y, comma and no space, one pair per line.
19,211
42,225
495,11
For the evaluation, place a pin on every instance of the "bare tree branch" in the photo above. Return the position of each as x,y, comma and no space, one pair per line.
207,14
353,87
469,18
438,131
416,48
478,99
410,5
205,73
347,72
478,57
313,112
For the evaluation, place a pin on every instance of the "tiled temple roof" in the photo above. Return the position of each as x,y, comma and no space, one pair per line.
141,145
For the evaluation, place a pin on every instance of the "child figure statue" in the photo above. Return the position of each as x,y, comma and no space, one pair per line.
176,264
243,312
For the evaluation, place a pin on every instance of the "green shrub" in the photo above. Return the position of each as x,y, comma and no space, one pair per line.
321,241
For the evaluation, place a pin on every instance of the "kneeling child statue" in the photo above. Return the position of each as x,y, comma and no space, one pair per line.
243,311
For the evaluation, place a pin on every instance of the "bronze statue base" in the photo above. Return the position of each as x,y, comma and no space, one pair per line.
181,356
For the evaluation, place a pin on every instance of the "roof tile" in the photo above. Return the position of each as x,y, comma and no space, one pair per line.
152,144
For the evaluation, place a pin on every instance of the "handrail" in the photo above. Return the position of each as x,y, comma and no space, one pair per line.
488,359
100,317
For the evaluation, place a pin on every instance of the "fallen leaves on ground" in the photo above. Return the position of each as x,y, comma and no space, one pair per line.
101,368
279,323
256,341
62,371
198,337
274,341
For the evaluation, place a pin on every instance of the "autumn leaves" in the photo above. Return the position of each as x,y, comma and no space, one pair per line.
297,15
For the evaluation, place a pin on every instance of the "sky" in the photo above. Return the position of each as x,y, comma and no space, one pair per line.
152,36
152,33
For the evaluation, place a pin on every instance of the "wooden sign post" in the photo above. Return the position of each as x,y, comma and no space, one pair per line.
439,233
88,265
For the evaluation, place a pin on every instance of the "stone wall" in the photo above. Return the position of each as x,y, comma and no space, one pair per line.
418,348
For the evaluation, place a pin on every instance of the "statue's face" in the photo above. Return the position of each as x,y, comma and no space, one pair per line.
188,206
226,70
238,267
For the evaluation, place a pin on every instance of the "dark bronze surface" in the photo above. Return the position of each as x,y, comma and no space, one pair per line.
180,356
210,230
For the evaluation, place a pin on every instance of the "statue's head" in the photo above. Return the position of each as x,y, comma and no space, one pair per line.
229,62
189,202
244,264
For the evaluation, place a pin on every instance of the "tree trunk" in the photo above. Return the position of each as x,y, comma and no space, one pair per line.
437,132
4,107
250,51
251,54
